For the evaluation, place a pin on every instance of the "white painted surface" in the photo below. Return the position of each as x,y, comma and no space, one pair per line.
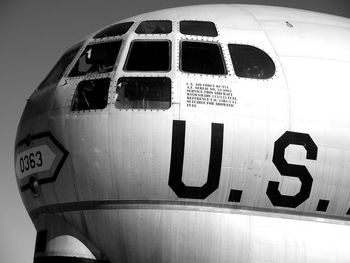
67,246
211,236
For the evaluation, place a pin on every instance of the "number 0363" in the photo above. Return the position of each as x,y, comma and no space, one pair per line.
34,160
30,161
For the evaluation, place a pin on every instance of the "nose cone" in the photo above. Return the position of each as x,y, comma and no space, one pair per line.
39,104
34,120
36,113
38,154
51,95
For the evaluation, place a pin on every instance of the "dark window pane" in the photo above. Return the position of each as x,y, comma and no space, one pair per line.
149,56
204,58
154,27
58,70
96,59
198,28
91,95
251,62
114,30
143,93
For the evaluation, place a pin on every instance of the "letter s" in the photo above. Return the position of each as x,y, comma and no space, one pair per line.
293,170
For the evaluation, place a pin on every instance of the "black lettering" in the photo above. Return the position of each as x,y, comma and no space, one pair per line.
31,160
26,160
21,164
293,170
177,158
322,205
235,196
39,162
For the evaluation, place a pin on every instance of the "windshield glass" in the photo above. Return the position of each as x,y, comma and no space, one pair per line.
114,30
96,59
202,58
154,27
251,62
149,56
143,93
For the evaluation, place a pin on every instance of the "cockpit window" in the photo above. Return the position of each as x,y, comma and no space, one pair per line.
149,56
143,93
114,30
96,59
251,62
198,28
58,70
202,57
154,27
91,95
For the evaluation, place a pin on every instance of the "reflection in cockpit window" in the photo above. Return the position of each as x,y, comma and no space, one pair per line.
149,56
114,30
96,59
57,72
154,27
91,95
251,62
202,58
198,28
143,93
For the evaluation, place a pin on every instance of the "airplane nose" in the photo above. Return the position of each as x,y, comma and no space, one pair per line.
38,105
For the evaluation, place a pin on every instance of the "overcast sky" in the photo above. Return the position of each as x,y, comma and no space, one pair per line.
34,34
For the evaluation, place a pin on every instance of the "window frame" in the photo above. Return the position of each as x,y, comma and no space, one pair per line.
148,40
217,43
